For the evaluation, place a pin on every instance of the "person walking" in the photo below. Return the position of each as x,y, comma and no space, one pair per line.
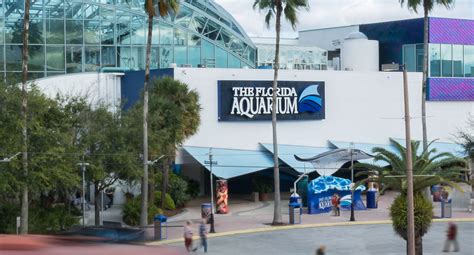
338,205
333,203
188,236
321,250
203,234
451,234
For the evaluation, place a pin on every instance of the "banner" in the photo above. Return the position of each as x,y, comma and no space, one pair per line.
222,196
253,100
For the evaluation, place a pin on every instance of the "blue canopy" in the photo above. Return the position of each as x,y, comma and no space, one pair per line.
286,153
231,162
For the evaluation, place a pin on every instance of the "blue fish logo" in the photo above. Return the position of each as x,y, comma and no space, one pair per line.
310,100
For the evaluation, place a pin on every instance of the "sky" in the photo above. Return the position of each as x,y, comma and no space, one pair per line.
331,13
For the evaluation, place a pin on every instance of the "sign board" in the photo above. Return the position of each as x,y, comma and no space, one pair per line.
252,100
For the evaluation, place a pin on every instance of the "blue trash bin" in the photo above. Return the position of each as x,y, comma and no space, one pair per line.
160,226
206,211
295,213
371,199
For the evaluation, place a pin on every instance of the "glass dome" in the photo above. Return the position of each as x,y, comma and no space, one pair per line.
356,35
70,36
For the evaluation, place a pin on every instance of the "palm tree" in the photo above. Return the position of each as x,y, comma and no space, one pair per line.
174,116
24,114
429,168
427,8
290,9
165,7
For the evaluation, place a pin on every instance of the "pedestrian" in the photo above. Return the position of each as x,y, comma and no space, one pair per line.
188,236
333,203
338,208
451,234
203,234
321,250
110,195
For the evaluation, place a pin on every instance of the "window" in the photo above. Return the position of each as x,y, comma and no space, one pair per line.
221,58
91,58
233,61
409,57
419,57
36,61
435,60
73,59
457,60
207,50
166,34
446,60
55,58
108,56
91,31
180,56
194,56
74,31
54,31
469,60
166,57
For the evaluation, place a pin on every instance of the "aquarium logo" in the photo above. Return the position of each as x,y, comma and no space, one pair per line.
310,100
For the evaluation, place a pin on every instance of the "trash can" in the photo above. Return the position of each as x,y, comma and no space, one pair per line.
446,209
160,226
371,199
295,198
206,211
295,213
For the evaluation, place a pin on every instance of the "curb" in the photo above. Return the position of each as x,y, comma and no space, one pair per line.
290,227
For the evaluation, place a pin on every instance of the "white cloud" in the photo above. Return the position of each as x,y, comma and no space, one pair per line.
331,13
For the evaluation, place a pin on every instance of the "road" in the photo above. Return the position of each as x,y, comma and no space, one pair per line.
357,239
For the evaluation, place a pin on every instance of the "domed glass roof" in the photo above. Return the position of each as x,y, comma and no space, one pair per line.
356,35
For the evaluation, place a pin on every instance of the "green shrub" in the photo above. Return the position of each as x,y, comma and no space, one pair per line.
8,213
131,212
41,220
193,187
51,220
169,203
177,188
423,215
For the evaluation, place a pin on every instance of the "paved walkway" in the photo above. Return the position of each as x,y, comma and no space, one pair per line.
245,217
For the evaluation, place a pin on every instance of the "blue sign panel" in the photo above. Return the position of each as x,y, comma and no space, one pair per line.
252,100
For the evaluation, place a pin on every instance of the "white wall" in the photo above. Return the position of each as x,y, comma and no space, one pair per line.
96,87
360,107
324,37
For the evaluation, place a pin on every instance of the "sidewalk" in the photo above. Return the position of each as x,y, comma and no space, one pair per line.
245,215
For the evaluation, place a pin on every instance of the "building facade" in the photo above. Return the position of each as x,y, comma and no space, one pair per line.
450,51
73,36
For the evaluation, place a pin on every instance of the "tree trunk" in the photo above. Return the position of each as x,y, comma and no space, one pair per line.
144,204
97,204
425,75
24,114
277,218
418,245
165,181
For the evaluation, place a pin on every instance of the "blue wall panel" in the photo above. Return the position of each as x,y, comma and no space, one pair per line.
392,35
132,84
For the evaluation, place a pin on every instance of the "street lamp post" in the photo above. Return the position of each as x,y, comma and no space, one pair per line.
7,160
352,188
83,170
210,162
409,160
